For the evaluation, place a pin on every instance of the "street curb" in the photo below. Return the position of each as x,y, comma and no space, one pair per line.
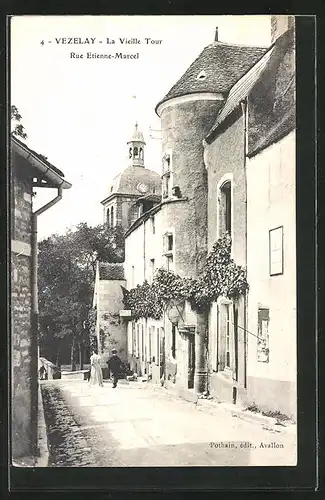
42,444
269,423
210,405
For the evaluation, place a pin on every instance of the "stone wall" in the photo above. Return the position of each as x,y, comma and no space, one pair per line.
24,366
184,127
224,159
114,328
225,155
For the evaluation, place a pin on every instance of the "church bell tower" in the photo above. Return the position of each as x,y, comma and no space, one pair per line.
136,148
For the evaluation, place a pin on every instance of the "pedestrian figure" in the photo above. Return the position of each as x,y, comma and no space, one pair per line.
96,376
42,372
115,366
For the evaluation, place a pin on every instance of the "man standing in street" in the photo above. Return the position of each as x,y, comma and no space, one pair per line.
114,366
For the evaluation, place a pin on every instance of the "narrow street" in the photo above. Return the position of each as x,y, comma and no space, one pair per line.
136,425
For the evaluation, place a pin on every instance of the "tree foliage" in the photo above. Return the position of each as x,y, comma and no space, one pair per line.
221,277
67,265
16,126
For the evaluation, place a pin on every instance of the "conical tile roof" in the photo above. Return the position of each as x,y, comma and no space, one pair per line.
218,67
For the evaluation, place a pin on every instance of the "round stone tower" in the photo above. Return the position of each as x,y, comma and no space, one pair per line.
187,113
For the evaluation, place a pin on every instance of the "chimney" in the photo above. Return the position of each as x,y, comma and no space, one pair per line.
216,35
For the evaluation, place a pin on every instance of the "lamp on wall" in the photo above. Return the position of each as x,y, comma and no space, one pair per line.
175,311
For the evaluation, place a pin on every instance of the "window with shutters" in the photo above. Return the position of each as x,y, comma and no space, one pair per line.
133,340
142,343
149,345
263,319
137,350
173,341
168,246
157,348
228,348
225,350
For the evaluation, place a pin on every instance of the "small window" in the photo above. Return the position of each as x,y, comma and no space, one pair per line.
108,220
201,76
167,176
153,225
152,269
166,163
170,262
225,209
112,217
170,242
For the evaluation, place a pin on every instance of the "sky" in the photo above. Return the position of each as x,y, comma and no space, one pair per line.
80,112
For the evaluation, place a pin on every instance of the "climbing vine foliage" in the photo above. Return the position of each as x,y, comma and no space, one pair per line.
220,277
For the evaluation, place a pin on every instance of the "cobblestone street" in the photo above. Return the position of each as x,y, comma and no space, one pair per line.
136,425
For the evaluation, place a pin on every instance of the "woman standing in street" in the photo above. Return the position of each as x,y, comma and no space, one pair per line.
96,376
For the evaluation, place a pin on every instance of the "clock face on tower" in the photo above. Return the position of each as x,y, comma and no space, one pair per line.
143,188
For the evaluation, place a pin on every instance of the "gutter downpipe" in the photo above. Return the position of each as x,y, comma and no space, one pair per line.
34,316
244,106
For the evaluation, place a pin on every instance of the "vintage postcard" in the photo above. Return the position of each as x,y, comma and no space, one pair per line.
153,241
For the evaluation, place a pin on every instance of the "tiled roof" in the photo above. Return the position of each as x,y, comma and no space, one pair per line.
241,89
40,157
271,103
220,65
108,271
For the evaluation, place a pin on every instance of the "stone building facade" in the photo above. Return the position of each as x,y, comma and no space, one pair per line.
28,171
227,137
24,364
110,327
271,232
132,193
188,112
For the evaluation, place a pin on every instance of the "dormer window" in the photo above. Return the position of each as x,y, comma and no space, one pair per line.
201,76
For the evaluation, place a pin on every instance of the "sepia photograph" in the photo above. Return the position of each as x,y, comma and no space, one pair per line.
153,241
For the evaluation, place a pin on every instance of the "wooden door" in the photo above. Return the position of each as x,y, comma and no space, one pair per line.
191,361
